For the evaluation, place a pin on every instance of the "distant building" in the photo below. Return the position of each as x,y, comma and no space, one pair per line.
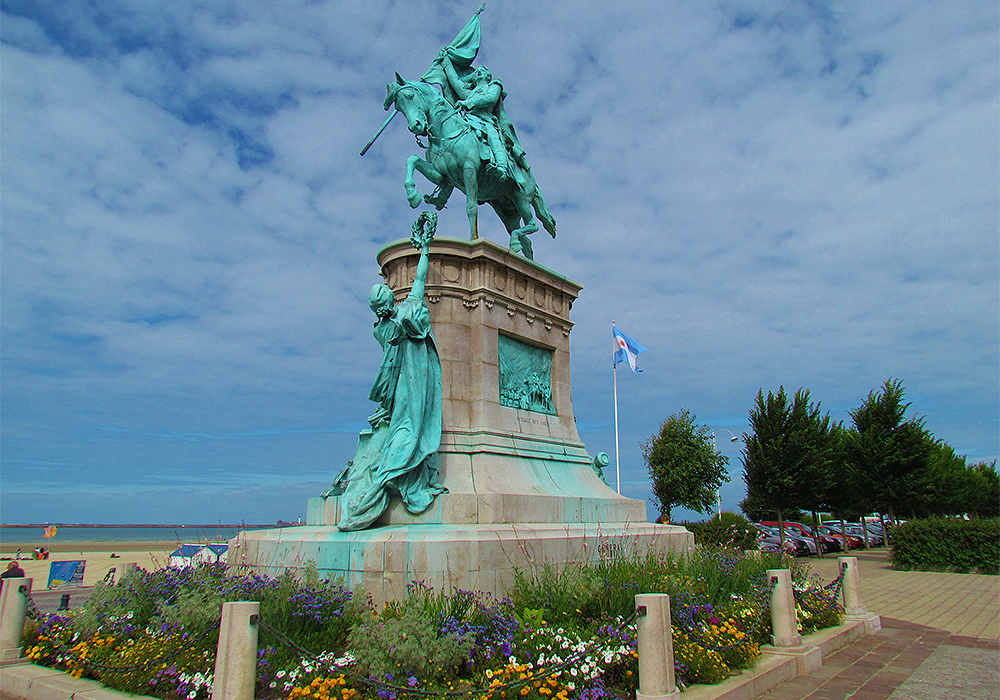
191,554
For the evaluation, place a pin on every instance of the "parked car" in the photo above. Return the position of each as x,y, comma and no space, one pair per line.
770,541
875,538
836,544
873,526
853,540
829,544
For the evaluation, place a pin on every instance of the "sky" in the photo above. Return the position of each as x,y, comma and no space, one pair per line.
790,193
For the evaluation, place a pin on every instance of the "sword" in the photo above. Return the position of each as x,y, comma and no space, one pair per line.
369,144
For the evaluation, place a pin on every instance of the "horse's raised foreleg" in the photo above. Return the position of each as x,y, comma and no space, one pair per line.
470,173
425,169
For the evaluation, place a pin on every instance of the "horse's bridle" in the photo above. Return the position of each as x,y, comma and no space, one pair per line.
452,112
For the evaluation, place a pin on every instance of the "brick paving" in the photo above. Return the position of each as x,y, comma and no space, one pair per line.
940,638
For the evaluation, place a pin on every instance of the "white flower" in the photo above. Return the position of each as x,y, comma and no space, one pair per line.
345,660
192,695
280,674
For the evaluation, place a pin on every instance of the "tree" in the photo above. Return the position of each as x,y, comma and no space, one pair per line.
844,497
755,511
684,466
949,484
890,455
985,490
786,459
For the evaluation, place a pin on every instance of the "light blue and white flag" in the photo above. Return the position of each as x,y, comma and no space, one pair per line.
626,349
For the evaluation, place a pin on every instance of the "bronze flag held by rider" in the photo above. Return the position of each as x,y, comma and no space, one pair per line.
471,143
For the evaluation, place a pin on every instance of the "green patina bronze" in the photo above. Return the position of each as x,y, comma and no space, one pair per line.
471,143
525,376
399,453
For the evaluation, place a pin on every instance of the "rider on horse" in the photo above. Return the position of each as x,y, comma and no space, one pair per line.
480,97
471,143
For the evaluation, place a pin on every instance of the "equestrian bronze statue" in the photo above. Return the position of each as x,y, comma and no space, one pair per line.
471,143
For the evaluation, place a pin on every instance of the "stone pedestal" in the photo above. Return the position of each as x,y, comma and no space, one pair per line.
521,486
471,557
14,596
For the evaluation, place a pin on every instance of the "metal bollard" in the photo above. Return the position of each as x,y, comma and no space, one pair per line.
656,648
852,597
236,656
13,609
784,626
63,602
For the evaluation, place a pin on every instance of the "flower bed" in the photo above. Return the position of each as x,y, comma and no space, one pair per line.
560,635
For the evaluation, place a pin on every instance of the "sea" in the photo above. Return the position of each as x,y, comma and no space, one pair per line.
110,533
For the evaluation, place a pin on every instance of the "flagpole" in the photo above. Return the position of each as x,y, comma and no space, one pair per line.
618,459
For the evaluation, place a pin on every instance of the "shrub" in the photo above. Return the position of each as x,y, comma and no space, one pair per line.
409,644
947,545
433,635
726,530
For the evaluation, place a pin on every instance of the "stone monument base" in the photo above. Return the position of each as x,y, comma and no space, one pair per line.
445,556
522,489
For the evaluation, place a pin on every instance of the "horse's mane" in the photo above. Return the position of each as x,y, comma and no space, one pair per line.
431,91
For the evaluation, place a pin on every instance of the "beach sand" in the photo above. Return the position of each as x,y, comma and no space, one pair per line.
147,555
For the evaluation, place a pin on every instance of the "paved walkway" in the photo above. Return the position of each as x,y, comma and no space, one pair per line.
940,639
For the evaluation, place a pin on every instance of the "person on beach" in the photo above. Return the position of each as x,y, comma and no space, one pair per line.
13,571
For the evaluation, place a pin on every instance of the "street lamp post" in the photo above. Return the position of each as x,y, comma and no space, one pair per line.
718,494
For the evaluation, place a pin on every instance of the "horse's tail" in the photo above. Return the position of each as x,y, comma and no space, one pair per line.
542,212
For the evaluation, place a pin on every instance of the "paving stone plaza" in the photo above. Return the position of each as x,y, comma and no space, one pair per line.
940,639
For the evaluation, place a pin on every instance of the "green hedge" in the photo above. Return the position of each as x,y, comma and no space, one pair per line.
947,545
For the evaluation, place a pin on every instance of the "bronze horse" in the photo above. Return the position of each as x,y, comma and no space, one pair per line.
455,158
